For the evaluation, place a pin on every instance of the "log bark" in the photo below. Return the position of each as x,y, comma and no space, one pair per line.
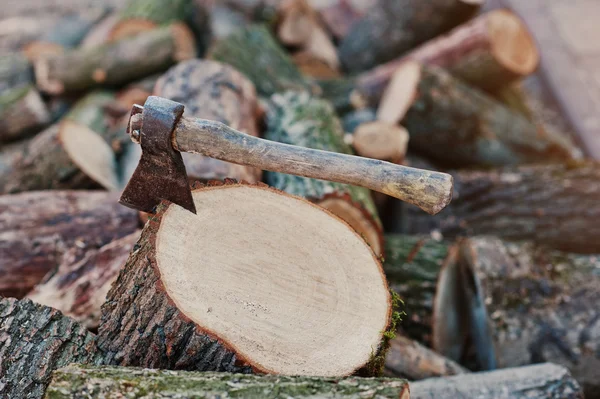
470,127
254,52
393,27
35,340
78,286
543,381
556,205
299,119
15,71
340,15
211,90
490,52
542,305
226,307
22,110
102,382
37,228
117,62
342,94
409,359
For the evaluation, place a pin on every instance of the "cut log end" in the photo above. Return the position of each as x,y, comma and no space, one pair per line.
301,304
512,43
400,93
381,140
130,27
37,49
90,153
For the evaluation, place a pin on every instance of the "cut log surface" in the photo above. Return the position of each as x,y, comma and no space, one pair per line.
543,381
255,53
299,119
211,90
381,140
236,292
108,382
469,127
34,341
407,358
37,228
489,52
116,62
78,286
556,205
542,305
393,27
22,110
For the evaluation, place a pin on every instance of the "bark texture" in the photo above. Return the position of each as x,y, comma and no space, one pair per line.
37,228
299,119
543,381
34,341
78,286
102,382
22,110
392,27
254,52
117,62
556,205
471,128
15,71
211,90
542,305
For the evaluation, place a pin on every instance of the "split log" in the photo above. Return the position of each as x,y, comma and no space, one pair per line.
211,90
299,119
78,286
409,359
117,62
469,127
103,382
427,274
22,110
556,205
254,52
542,305
393,27
490,52
380,140
34,341
37,228
191,297
64,156
67,33
542,381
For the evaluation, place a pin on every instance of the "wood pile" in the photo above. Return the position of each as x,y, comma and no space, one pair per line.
284,286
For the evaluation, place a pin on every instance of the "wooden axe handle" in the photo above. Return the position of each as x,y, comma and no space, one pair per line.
430,191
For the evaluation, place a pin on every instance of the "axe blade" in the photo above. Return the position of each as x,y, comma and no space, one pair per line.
160,174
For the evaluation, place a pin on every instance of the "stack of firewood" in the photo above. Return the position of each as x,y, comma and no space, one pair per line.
495,297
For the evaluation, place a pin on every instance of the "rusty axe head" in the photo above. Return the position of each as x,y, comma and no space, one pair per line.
160,174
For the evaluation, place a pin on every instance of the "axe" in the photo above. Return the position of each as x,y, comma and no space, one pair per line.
162,131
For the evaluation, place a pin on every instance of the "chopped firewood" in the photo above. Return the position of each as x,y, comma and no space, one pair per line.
211,90
342,94
117,62
22,110
78,286
339,15
37,228
299,119
461,125
490,52
312,67
427,275
100,33
393,27
237,292
352,120
409,359
380,140
254,52
542,381
15,71
552,204
541,305
34,341
66,34
108,382
225,20
137,92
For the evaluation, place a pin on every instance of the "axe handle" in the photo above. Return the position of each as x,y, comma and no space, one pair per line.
430,191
